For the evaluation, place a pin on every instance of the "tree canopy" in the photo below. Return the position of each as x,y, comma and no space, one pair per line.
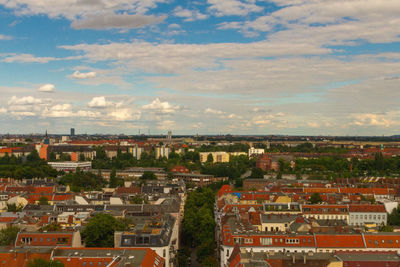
38,262
8,235
99,232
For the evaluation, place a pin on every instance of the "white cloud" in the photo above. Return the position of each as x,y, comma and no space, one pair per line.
47,88
58,111
5,37
161,108
26,100
101,21
25,58
84,75
125,114
233,7
99,102
213,111
339,22
189,15
166,125
234,116
89,14
374,120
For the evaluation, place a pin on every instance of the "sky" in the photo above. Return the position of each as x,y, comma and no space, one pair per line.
296,67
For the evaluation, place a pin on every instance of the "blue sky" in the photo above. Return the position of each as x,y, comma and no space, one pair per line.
307,67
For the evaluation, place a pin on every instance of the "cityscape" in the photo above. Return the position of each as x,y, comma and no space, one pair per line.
205,133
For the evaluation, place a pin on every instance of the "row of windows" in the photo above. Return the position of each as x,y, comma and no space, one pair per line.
292,241
91,263
60,240
368,217
323,217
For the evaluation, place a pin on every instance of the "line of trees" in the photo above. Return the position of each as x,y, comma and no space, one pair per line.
198,226
31,166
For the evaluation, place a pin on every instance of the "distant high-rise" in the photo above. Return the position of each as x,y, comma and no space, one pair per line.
72,132
169,135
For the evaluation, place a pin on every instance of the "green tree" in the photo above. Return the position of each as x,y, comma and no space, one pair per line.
137,199
99,232
210,158
148,175
394,216
65,157
33,156
43,201
38,262
52,227
315,198
52,156
386,228
257,173
8,235
113,178
13,207
82,157
183,257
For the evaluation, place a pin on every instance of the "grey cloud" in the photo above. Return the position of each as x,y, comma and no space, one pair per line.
101,21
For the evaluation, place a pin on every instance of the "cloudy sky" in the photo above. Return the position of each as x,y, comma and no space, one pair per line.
313,67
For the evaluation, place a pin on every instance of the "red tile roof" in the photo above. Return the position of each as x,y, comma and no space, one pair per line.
44,190
7,219
339,241
20,259
224,189
45,239
366,208
382,241
148,260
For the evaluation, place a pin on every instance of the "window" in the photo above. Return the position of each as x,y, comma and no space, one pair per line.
26,240
248,240
292,241
266,241
164,253
62,240
238,240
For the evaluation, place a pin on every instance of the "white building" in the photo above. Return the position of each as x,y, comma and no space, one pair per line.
255,151
365,214
136,151
71,166
162,151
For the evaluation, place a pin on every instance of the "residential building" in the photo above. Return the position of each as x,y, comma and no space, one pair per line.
136,151
162,151
255,151
219,156
157,233
70,166
48,239
361,214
